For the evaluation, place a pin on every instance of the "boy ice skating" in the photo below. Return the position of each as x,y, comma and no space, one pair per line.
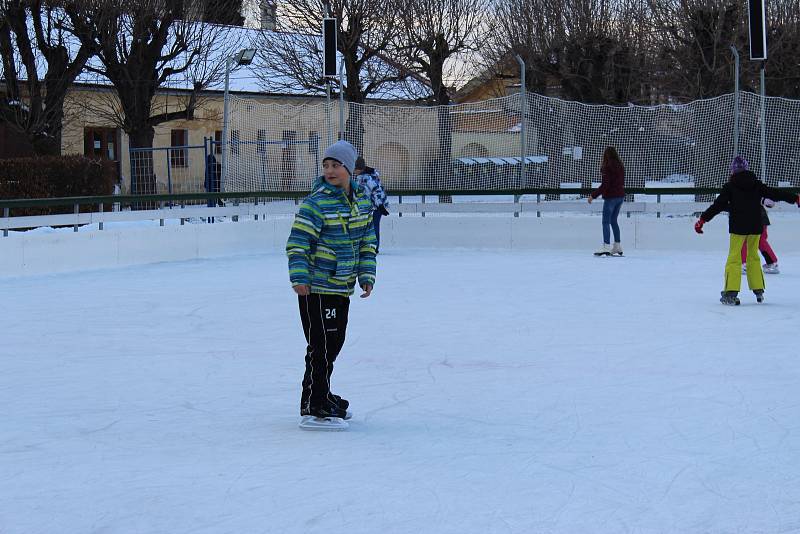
370,180
741,198
331,245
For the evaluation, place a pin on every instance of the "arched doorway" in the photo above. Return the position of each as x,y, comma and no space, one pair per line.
393,161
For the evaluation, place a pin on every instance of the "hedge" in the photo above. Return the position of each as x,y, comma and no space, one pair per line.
53,177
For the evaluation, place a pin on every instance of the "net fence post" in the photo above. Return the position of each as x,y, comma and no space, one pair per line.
328,125
735,102
341,100
226,125
523,100
763,120
169,173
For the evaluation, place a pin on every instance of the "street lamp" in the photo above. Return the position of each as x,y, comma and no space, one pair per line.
243,57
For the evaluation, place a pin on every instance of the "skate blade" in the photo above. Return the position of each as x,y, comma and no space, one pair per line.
602,254
324,424
348,415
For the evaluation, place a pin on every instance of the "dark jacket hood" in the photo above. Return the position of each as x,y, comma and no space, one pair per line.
744,180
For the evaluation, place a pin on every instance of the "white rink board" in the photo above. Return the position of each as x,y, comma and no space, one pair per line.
47,251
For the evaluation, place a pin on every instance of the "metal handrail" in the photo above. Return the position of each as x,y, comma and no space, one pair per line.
131,199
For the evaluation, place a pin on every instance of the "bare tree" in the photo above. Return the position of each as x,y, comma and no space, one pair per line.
291,58
436,34
591,51
783,49
588,48
40,63
520,28
143,46
693,39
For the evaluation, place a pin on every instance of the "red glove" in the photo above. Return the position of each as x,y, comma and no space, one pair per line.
698,226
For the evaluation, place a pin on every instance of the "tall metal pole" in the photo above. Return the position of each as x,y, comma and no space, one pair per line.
523,108
328,111
341,99
225,140
328,14
736,102
763,128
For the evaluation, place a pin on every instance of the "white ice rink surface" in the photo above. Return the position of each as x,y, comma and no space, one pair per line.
494,392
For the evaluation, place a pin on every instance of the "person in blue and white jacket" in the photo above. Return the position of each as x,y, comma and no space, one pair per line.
370,180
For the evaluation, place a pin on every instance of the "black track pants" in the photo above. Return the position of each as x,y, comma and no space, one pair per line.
324,325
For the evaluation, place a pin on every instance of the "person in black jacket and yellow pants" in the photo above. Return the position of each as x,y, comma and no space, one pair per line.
741,198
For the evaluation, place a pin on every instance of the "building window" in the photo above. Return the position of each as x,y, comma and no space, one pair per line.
218,142
289,139
261,147
235,142
179,157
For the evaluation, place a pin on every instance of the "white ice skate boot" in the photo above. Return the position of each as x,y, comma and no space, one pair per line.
327,417
605,250
771,268
324,424
616,249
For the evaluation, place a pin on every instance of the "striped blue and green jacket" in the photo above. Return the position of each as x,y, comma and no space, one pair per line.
332,242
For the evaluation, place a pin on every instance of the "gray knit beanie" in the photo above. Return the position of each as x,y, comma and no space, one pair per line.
344,153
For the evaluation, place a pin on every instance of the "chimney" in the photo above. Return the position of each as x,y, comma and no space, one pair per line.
269,14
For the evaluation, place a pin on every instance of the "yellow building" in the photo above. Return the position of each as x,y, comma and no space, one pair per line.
90,131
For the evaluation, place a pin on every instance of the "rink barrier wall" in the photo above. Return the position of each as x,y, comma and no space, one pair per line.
58,251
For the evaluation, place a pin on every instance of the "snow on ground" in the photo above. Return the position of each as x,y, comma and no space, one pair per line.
494,392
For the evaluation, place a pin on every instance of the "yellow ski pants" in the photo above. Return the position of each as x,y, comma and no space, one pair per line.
733,267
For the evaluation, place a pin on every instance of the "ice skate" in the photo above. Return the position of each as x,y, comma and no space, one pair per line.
616,249
324,424
605,250
759,295
329,416
730,298
344,404
771,268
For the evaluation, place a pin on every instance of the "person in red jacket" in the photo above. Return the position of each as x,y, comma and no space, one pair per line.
613,191
741,198
771,267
